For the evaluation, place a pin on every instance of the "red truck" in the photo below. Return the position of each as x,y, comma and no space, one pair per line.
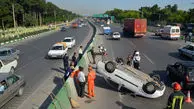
135,27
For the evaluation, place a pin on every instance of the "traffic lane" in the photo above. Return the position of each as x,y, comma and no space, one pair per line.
148,64
32,64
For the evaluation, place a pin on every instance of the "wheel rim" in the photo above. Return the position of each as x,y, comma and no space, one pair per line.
150,88
110,66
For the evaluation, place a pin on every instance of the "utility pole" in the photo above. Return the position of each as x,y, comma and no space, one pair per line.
55,17
13,12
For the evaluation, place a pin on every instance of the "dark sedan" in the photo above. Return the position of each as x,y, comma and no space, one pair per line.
182,72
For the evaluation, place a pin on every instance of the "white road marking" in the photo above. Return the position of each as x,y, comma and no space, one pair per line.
148,58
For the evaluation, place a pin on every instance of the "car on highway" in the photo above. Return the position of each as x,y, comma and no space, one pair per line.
134,80
58,50
8,66
182,72
13,85
187,50
159,32
63,28
116,35
9,53
70,41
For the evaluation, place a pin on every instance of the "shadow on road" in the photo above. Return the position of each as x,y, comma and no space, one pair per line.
177,56
59,84
100,82
60,70
163,77
123,106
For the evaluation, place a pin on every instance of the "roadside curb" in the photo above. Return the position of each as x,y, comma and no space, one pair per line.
19,39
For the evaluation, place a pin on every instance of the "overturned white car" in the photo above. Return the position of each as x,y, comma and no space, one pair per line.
134,80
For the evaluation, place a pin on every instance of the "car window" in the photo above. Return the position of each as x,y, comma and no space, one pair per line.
12,79
173,30
3,53
57,48
3,86
67,40
191,71
1,65
177,30
116,33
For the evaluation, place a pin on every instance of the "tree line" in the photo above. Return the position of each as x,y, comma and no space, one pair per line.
31,13
156,14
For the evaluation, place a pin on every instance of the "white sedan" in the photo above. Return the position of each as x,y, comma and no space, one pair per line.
57,51
70,41
116,35
187,50
134,80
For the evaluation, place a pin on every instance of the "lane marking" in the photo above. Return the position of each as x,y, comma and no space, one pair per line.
148,58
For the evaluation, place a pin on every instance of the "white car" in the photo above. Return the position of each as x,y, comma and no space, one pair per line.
187,50
134,80
57,51
116,35
70,41
8,66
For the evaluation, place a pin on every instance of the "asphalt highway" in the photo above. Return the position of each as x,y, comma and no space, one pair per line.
32,63
156,54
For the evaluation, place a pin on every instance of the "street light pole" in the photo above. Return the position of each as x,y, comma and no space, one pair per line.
13,13
55,17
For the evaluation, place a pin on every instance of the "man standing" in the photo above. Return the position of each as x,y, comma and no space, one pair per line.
93,55
80,53
91,78
81,81
74,59
65,62
176,99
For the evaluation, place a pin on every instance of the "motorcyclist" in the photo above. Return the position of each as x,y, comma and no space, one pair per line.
136,60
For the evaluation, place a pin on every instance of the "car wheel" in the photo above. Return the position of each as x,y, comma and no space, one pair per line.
12,70
110,67
156,77
20,91
149,88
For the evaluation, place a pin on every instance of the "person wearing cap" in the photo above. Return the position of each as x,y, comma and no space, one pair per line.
136,60
176,99
91,79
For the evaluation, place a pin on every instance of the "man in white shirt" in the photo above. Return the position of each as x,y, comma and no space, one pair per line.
82,80
80,53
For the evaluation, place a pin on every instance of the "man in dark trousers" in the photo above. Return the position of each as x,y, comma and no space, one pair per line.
176,99
81,82
65,61
74,59
93,54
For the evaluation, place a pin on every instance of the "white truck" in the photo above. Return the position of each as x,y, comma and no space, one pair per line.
8,66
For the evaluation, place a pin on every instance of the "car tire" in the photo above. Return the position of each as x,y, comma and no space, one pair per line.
110,67
156,77
149,88
12,70
20,91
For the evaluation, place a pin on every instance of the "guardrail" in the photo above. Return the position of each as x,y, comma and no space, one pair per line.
67,94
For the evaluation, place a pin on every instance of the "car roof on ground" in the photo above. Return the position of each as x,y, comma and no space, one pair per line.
5,48
187,63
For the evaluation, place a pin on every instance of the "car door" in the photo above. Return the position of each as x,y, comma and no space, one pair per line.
5,96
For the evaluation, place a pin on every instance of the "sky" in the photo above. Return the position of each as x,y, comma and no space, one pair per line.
89,7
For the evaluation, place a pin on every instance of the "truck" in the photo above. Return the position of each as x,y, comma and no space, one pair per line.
135,27
107,30
8,66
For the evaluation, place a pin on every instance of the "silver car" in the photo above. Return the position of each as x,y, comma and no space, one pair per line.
9,53
135,80
12,85
187,50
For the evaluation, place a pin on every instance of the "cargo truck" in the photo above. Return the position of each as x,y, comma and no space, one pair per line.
135,27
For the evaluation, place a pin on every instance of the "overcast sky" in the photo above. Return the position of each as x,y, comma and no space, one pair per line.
100,6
